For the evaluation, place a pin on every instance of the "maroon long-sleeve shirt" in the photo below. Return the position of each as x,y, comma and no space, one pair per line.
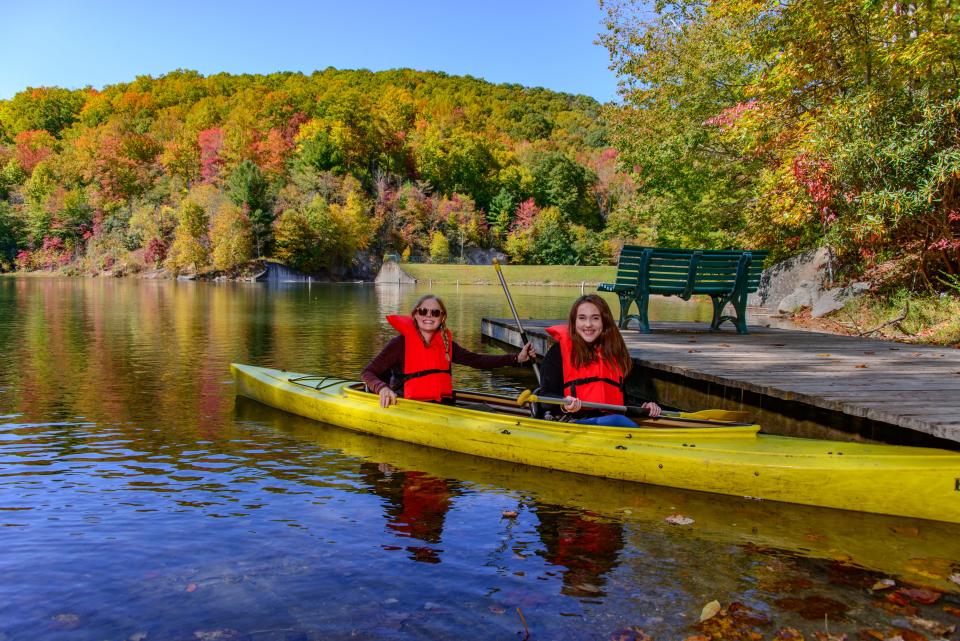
389,363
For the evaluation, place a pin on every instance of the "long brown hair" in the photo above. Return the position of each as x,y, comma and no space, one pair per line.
443,321
608,346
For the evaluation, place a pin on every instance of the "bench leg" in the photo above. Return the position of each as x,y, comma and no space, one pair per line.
642,303
625,301
739,306
718,304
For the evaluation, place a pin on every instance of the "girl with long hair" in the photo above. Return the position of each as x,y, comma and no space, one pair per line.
589,362
418,363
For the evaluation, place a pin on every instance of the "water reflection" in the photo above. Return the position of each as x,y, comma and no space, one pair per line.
415,505
140,499
583,544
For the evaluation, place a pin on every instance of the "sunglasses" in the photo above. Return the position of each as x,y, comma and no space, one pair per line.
423,311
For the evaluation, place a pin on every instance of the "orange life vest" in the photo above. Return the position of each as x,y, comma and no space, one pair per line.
597,382
426,370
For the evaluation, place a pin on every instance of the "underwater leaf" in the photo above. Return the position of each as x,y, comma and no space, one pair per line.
632,633
709,610
934,627
919,595
883,584
678,519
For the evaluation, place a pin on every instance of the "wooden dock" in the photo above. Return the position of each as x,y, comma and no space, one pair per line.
870,385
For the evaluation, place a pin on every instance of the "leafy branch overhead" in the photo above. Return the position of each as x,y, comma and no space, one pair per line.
788,125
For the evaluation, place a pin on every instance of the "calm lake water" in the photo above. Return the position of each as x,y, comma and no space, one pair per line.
140,500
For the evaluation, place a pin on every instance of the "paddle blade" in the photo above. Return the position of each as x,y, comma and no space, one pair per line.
729,416
526,396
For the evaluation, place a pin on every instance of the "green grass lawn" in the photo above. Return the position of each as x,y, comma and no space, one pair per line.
563,275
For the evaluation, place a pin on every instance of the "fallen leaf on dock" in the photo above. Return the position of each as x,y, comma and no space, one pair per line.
862,366
824,355
710,610
678,519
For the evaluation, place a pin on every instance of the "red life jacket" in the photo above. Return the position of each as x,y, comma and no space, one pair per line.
426,370
597,382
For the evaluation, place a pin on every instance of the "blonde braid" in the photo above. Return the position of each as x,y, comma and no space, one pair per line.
446,340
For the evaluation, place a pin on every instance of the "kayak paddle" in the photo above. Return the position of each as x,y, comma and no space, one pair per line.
727,416
523,334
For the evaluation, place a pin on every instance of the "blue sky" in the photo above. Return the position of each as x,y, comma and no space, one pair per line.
99,42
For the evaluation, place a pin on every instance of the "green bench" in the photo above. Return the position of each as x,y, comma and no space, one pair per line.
727,276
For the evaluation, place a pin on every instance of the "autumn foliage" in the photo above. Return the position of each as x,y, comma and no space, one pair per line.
196,173
791,125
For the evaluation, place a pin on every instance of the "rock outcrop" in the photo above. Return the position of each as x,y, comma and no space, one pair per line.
799,282
390,272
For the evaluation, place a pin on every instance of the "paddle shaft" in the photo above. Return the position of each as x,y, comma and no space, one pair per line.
516,317
638,411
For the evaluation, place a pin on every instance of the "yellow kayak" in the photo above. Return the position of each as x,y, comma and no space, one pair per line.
709,456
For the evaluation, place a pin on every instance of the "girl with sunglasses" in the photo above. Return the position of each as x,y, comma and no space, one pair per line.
589,362
418,361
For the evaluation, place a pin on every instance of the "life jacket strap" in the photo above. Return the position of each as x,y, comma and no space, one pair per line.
426,372
591,379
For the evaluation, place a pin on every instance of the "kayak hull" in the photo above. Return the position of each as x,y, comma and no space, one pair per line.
729,459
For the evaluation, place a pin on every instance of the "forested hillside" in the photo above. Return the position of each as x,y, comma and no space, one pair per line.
191,173
794,124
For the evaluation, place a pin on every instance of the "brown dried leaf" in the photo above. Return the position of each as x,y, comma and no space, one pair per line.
919,595
790,634
697,637
909,635
861,366
633,633
895,608
509,514
883,584
814,607
826,636
737,622
869,634
952,610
